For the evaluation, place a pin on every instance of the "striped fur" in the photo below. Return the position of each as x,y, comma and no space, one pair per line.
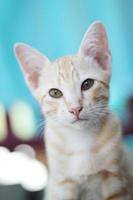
86,158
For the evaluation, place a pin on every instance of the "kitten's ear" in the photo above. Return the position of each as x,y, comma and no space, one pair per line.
95,45
32,62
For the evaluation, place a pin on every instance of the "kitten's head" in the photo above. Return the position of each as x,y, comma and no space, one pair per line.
72,90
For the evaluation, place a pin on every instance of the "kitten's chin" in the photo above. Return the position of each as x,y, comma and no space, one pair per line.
77,124
80,124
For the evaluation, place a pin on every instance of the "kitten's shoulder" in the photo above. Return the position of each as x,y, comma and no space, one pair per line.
114,118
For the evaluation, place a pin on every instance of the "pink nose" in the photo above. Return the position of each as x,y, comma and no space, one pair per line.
76,110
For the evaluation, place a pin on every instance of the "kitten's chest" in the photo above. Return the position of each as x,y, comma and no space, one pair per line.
73,156
70,153
89,185
86,164
83,161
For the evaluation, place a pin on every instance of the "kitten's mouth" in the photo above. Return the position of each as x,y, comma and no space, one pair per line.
79,120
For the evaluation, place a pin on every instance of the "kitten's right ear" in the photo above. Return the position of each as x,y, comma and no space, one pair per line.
32,62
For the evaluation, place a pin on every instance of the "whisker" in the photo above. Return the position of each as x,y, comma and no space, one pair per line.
40,126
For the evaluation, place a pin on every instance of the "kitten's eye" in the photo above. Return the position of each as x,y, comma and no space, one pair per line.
87,84
55,93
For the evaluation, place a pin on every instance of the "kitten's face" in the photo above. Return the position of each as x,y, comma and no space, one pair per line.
72,90
70,84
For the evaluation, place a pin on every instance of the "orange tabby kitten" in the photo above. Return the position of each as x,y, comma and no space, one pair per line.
86,157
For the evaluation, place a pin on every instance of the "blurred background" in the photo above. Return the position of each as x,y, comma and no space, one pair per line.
54,27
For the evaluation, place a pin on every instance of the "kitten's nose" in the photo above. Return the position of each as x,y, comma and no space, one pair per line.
76,110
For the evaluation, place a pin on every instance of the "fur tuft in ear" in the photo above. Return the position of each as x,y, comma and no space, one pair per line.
31,62
95,45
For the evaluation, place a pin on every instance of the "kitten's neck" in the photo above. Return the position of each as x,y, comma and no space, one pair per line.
94,138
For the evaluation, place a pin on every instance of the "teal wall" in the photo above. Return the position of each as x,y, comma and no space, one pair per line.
56,27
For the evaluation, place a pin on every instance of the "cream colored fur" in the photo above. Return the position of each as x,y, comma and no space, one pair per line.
86,157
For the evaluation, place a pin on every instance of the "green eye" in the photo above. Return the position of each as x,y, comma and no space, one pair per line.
87,84
55,93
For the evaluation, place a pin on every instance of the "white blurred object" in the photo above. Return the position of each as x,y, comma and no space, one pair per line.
22,121
36,176
3,123
4,150
26,149
18,168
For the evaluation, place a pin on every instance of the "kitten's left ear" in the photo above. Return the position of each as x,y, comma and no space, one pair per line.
95,45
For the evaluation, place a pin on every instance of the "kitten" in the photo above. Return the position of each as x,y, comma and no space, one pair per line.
86,157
